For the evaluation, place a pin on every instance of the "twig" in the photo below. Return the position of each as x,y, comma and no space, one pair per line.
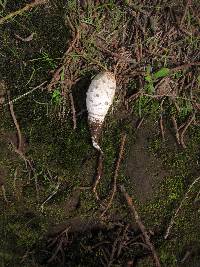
176,129
56,76
99,174
19,147
114,248
114,189
179,208
22,10
27,93
136,217
140,123
4,193
62,239
73,110
26,39
185,129
184,66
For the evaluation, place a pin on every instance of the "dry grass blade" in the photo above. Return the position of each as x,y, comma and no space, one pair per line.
136,217
169,228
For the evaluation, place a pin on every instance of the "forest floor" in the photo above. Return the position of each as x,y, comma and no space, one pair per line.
148,209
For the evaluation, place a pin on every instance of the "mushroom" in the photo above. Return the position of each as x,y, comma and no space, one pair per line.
100,96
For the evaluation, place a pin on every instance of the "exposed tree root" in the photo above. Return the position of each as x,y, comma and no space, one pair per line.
136,217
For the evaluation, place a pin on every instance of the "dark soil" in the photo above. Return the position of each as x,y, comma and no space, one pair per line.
145,170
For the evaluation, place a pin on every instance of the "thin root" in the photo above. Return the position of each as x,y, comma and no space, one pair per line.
114,189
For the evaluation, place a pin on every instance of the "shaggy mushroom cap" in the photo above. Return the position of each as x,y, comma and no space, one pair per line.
100,96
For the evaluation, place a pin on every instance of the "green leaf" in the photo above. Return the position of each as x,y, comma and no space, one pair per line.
148,78
161,73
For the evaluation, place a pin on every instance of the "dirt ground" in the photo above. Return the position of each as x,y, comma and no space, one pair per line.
50,215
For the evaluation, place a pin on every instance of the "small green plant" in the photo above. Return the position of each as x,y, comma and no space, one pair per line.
151,78
185,108
146,105
46,59
56,96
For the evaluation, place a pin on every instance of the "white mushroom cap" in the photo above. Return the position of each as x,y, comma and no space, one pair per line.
100,96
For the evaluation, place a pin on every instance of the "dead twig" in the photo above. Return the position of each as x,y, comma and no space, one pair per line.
176,129
179,208
136,217
114,189
26,39
191,119
184,66
27,93
19,147
22,10
140,123
114,249
62,240
57,75
4,193
73,110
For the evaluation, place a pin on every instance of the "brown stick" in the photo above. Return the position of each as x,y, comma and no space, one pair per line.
73,110
136,217
19,147
24,9
114,189
56,76
184,66
185,129
4,194
176,129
